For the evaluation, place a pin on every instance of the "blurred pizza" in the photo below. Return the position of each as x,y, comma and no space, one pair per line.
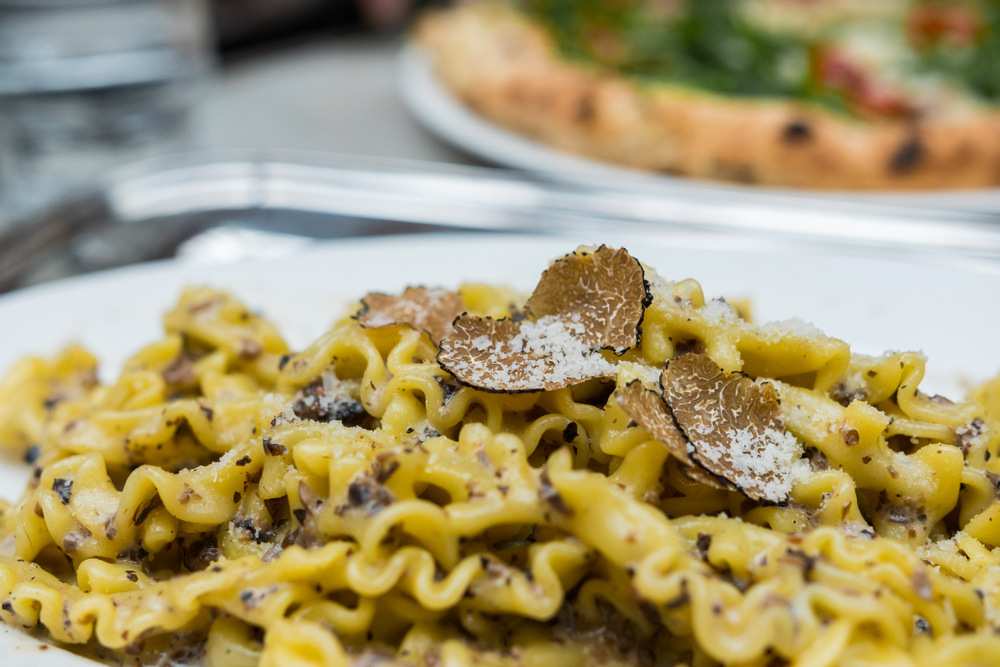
845,94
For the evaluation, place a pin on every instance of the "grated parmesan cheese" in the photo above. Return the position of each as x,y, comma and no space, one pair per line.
718,313
543,353
770,456
377,319
774,332
649,375
222,463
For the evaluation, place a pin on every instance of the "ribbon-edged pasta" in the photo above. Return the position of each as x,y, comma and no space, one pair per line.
231,503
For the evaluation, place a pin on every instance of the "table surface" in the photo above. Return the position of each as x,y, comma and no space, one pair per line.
336,94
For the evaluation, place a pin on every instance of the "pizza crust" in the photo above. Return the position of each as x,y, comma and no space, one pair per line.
506,68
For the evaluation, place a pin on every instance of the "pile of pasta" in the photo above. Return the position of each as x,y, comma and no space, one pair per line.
614,471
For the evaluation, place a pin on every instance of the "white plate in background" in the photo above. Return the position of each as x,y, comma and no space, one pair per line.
444,115
873,302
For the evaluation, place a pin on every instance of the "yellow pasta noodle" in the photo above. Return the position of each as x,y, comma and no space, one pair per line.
372,499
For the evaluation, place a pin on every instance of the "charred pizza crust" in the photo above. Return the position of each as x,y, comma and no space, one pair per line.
506,68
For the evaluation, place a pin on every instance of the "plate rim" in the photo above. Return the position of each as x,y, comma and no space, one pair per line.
180,272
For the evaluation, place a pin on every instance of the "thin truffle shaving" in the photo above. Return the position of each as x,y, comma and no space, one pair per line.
649,410
429,310
584,302
733,426
508,356
606,288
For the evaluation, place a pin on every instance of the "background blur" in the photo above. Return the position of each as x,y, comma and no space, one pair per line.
283,121
86,85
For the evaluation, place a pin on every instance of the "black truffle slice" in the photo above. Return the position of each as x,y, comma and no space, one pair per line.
607,289
514,357
584,302
430,310
648,409
733,426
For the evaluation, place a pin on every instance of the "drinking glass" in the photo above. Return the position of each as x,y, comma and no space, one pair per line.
86,85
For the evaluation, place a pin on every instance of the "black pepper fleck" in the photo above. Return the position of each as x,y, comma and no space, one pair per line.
62,488
272,448
31,454
570,432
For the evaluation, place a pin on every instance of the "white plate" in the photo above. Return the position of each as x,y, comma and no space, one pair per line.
875,303
444,115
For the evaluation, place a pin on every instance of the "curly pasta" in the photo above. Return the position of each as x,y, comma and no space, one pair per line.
230,503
